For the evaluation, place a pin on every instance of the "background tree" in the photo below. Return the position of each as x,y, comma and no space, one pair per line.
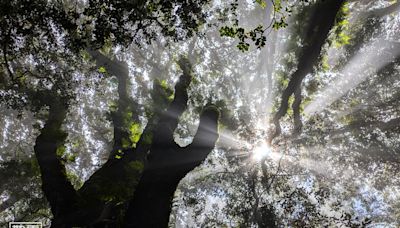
98,103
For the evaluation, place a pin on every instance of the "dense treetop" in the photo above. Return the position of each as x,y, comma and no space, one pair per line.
307,93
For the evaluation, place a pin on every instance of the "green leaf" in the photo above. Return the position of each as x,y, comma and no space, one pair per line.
243,46
134,133
60,151
227,31
102,70
262,3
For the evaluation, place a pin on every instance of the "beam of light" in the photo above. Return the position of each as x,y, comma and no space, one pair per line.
228,139
319,167
261,151
330,170
366,62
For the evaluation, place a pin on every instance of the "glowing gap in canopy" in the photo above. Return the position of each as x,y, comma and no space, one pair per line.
261,151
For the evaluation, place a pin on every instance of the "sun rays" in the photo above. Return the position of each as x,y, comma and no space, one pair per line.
365,63
260,152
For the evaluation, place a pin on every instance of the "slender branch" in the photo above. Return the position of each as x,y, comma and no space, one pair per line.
392,124
5,55
268,188
385,11
296,112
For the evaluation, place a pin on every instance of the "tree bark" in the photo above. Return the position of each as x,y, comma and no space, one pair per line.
151,205
321,22
96,202
167,163
58,190
125,104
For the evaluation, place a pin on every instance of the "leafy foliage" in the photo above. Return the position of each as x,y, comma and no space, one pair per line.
280,11
340,170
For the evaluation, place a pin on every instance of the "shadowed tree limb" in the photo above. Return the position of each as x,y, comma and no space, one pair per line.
91,203
168,163
169,119
125,104
321,22
58,190
115,182
296,112
151,205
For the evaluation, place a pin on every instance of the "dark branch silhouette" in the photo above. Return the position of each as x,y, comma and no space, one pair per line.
321,22
99,200
58,190
125,104
168,163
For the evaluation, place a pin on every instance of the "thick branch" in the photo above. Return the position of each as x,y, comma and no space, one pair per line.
56,187
167,163
169,119
321,22
125,104
151,205
114,181
123,173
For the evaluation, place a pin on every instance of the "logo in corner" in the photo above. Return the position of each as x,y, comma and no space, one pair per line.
25,225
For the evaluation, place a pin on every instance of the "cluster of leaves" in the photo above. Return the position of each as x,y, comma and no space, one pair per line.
341,29
56,31
93,23
280,11
20,179
256,35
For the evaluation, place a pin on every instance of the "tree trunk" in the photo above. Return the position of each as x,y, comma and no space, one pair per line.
151,205
168,163
58,190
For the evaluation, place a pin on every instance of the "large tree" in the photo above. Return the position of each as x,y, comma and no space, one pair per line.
101,64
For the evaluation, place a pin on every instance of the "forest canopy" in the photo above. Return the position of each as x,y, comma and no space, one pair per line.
257,113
